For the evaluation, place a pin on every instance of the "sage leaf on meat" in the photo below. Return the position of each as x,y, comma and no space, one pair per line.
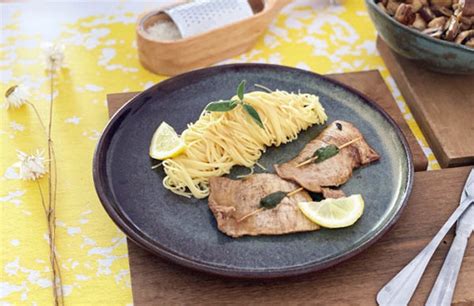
221,106
273,199
326,152
253,114
241,90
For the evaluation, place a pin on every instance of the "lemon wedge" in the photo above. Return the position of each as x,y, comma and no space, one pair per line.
334,213
166,143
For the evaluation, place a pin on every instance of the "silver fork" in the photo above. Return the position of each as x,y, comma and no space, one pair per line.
400,289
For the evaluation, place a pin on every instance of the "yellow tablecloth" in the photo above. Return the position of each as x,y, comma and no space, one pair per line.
101,58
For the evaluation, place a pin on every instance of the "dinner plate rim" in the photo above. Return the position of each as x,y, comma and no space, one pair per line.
138,237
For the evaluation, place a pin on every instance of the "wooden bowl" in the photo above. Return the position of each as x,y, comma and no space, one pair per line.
178,56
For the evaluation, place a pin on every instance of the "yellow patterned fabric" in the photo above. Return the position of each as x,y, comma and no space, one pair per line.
101,58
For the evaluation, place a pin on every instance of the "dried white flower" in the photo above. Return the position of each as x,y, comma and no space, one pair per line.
16,96
32,167
54,55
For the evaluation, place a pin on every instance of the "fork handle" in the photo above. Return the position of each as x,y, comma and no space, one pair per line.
400,289
443,290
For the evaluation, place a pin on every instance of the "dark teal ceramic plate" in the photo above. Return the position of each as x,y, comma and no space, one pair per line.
184,230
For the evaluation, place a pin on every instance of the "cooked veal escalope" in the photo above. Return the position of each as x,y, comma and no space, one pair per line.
236,132
336,170
236,204
231,200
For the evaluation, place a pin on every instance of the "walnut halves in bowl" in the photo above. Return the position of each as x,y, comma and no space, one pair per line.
443,19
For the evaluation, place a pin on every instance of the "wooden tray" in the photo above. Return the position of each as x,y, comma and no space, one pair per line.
355,281
368,82
442,104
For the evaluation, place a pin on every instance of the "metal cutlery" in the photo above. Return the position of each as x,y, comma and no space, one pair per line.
400,289
443,289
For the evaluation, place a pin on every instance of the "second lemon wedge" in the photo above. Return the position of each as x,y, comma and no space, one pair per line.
334,213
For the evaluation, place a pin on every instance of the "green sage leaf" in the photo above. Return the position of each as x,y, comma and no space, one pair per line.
253,114
272,200
241,90
221,106
325,153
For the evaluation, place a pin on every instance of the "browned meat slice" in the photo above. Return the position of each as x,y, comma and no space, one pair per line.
230,200
334,171
329,193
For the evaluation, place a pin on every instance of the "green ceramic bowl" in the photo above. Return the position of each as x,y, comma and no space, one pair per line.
434,54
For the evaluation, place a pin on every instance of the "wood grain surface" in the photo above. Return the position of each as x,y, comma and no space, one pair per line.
435,196
442,105
369,83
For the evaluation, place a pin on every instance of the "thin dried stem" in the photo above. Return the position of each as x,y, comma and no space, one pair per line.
52,254
42,198
61,292
49,139
53,221
52,258
53,153
50,125
52,184
38,116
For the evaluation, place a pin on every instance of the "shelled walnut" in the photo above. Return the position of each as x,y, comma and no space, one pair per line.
451,20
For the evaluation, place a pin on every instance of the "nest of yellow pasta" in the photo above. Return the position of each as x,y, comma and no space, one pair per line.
217,141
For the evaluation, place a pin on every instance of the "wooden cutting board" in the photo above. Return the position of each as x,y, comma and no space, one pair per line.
356,281
442,104
369,83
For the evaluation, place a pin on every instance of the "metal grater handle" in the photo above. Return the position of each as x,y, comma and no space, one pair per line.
200,16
